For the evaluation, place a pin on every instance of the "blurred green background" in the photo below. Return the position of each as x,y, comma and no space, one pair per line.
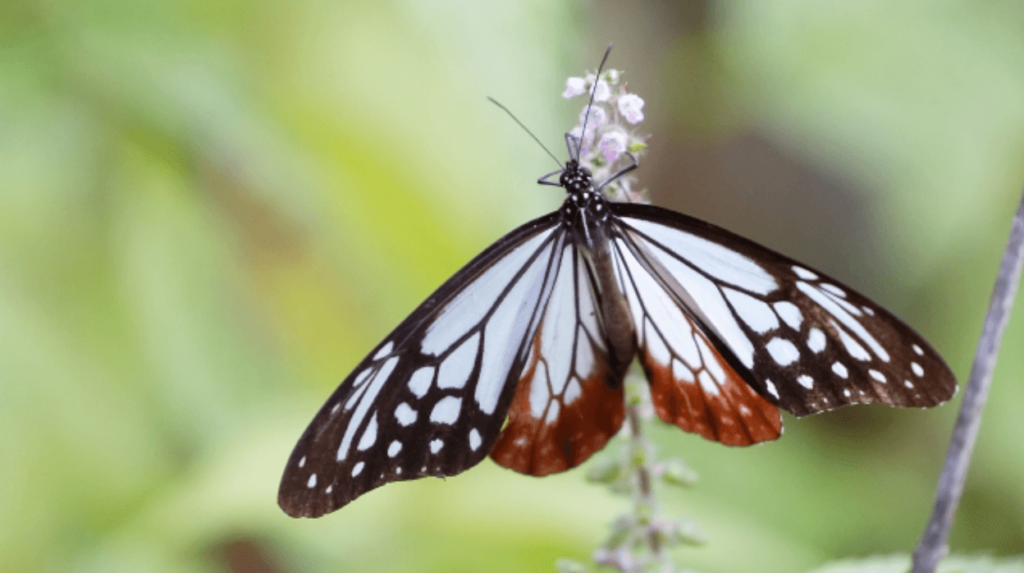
210,211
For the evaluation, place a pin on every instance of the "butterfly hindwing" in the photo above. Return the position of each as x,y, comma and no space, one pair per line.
692,385
801,339
430,400
565,407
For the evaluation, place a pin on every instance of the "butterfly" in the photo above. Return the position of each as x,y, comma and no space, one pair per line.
521,355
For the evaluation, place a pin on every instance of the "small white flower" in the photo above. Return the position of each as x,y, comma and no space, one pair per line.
603,92
574,87
613,144
598,116
631,106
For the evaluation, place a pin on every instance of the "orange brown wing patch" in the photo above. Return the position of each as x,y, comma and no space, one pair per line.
554,427
710,399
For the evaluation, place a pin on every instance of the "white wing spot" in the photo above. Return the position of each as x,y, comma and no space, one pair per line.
868,310
394,448
840,370
334,410
553,411
816,340
384,351
707,383
755,313
783,351
420,381
908,384
539,391
446,411
918,350
455,369
358,388
584,355
833,289
789,313
435,446
918,371
312,481
398,471
405,414
804,273
358,469
369,435
329,489
744,410
852,346
805,381
835,308
302,462
474,439
572,392
711,364
361,379
877,375
364,404
846,392
771,388
655,345
682,372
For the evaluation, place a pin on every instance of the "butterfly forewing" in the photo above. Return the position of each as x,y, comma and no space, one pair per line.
431,398
798,337
566,407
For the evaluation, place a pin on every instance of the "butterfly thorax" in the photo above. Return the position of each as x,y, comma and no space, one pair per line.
584,206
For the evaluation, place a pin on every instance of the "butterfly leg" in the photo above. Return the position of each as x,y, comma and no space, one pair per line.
543,180
574,145
621,172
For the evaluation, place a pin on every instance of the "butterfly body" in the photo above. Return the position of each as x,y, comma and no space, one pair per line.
586,214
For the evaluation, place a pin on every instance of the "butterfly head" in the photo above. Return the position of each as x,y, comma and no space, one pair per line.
576,179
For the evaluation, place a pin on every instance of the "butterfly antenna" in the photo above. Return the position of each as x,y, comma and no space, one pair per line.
593,92
526,129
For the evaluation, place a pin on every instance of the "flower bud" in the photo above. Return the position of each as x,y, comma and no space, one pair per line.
675,472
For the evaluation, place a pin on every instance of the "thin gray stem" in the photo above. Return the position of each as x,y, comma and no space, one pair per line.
933,545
